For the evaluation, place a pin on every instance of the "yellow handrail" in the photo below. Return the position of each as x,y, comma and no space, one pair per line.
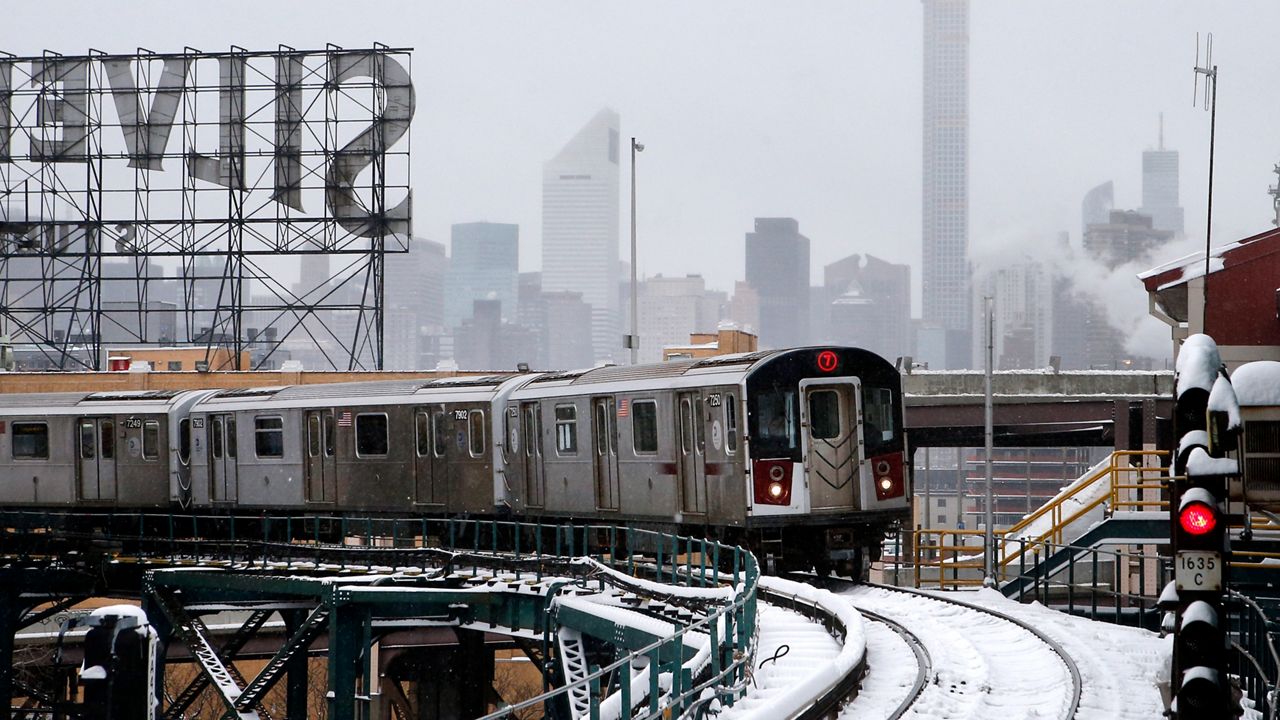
1126,485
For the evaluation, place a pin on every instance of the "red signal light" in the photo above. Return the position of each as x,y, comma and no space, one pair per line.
1198,519
828,360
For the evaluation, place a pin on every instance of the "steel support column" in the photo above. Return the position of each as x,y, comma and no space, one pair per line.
296,677
346,633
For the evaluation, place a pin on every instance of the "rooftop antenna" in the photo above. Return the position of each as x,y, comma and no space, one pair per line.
1210,72
1274,192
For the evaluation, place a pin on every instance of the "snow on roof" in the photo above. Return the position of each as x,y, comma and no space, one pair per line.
1222,398
1198,363
1257,383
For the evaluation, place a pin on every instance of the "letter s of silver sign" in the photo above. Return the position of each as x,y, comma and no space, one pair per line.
392,123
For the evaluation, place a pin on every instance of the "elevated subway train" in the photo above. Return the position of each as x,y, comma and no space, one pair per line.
797,453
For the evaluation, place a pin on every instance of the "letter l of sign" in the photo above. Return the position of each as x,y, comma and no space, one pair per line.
227,167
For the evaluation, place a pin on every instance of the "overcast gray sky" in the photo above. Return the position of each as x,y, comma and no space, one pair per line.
808,109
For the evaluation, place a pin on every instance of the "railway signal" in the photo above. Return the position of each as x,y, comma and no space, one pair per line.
1198,519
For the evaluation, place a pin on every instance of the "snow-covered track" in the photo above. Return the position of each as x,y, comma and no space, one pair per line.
993,649
924,663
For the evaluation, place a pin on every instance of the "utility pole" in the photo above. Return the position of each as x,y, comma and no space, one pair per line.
633,338
989,578
1210,72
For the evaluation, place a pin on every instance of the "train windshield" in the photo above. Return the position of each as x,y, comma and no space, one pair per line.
776,417
877,418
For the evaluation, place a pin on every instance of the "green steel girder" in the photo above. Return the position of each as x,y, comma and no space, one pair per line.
625,637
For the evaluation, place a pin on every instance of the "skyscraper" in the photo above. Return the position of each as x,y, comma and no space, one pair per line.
1160,187
946,278
483,266
1023,315
778,270
1096,206
580,227
869,304
413,322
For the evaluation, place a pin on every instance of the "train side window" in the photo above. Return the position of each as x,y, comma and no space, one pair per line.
644,426
602,428
441,433
475,432
531,436
107,445
313,436
371,435
88,441
231,436
730,424
215,445
422,428
151,440
268,436
330,435
31,440
184,440
566,430
686,426
699,433
824,414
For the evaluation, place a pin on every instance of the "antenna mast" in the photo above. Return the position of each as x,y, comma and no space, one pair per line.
1210,72
1274,192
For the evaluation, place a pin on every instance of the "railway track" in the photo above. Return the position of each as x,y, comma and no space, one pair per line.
880,682
969,660
981,657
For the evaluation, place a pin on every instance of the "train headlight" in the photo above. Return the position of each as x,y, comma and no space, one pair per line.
772,481
886,484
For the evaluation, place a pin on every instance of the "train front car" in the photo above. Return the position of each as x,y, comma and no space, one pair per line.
828,471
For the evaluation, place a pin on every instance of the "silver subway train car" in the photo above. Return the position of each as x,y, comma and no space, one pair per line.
797,453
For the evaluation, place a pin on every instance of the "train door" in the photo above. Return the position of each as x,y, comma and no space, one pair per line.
321,465
828,417
531,426
691,447
97,443
430,472
222,457
604,421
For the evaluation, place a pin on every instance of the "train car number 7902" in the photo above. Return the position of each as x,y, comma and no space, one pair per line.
1198,570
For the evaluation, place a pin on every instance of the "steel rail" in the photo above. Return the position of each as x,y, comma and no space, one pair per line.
1076,683
924,662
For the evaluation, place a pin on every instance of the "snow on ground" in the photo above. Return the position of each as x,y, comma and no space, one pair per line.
983,667
1119,666
809,648
891,671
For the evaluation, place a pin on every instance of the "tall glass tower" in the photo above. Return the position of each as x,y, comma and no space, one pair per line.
580,227
945,233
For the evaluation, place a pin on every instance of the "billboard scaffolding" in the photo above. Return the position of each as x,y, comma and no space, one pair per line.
158,199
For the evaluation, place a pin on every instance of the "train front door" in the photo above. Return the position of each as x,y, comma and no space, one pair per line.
531,428
605,426
692,445
222,458
97,443
322,465
430,470
829,411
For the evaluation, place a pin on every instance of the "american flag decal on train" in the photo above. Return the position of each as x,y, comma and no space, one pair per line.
624,405
344,419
